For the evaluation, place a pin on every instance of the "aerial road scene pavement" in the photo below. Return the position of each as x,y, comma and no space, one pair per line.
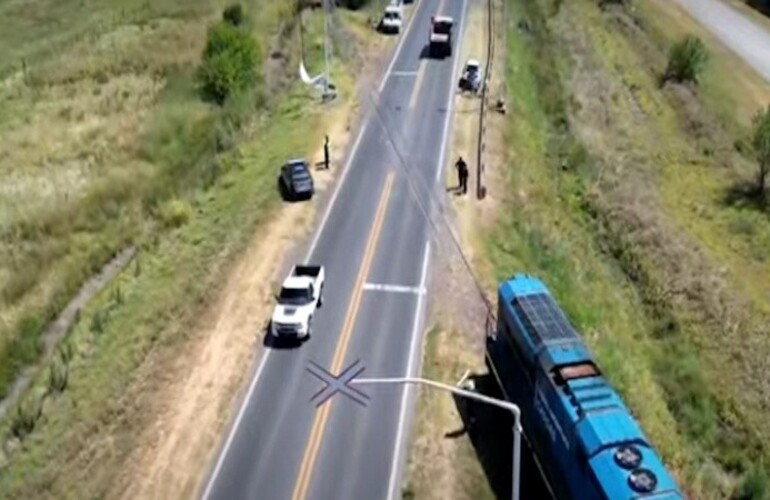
384,249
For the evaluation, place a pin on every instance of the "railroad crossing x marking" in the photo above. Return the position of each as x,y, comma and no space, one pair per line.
338,384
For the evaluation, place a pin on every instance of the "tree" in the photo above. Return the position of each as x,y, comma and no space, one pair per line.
687,60
230,62
761,143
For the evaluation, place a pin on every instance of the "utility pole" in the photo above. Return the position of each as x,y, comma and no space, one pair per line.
327,94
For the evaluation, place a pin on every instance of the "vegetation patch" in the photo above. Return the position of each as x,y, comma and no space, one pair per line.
607,208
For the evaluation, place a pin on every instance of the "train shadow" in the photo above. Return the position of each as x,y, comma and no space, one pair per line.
490,430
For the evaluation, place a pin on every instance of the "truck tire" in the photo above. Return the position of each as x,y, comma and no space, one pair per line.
309,327
321,297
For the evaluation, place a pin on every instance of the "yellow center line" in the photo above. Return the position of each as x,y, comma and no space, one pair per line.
321,416
417,84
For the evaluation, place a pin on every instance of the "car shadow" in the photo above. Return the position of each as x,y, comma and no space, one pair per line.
425,52
490,430
288,196
280,343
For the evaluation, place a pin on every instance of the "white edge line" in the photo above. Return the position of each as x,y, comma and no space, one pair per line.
451,100
266,355
404,36
395,469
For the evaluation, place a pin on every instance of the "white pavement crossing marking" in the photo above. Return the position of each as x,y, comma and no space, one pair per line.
403,73
394,288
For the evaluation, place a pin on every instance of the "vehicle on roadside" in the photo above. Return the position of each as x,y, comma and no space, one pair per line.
392,19
301,294
471,78
296,179
440,41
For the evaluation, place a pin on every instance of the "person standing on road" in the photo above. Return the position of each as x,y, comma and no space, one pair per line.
462,175
326,153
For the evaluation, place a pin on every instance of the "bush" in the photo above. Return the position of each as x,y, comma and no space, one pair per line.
175,213
754,485
761,143
27,415
687,60
233,14
230,62
353,4
58,375
97,322
622,3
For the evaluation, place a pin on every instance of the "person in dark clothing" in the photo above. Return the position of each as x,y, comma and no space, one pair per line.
326,153
462,174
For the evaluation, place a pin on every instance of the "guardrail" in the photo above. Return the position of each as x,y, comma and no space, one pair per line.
481,190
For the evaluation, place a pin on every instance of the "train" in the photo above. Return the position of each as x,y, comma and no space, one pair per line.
585,439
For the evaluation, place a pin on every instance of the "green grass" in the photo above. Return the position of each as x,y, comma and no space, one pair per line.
635,278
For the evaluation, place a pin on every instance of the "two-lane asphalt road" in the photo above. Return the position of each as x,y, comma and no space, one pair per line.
743,35
374,242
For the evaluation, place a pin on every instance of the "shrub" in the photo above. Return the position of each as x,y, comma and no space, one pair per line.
175,213
686,60
58,375
622,3
27,415
233,14
230,62
353,4
97,322
761,143
754,485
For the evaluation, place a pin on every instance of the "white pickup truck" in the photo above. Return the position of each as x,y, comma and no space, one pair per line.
300,295
392,19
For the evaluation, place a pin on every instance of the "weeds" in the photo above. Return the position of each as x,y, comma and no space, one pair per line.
27,415
755,485
687,60
58,375
175,213
98,320
761,143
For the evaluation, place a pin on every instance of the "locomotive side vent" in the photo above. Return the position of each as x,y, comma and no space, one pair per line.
628,456
642,480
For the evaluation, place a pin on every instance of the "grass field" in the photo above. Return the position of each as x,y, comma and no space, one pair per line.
618,190
111,130
102,127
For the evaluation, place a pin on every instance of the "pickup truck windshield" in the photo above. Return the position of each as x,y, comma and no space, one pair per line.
294,296
442,28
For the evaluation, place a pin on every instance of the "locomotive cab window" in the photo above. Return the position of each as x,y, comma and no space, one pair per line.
562,374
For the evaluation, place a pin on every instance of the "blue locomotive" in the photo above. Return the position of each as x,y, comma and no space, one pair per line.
585,438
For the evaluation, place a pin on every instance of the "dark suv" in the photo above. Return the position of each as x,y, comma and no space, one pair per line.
296,179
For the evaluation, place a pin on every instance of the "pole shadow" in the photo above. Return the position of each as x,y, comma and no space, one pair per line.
490,430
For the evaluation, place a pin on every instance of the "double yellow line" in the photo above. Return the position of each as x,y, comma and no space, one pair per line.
321,417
